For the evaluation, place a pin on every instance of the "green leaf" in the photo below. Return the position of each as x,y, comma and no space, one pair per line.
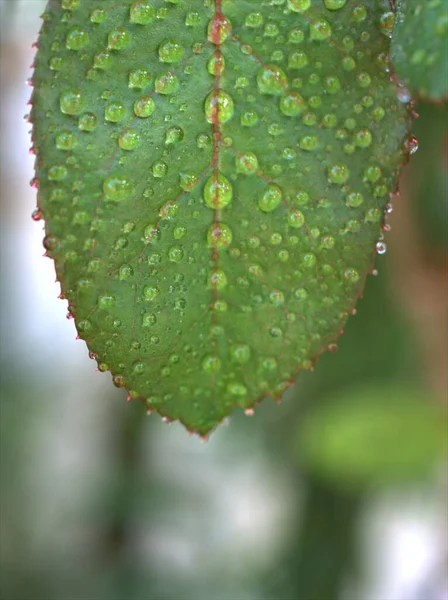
213,176
419,48
374,436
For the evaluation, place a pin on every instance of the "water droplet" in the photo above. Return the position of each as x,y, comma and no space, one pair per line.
387,20
309,143
292,104
219,107
139,79
338,173
151,292
218,191
98,16
216,64
129,140
299,6
363,138
174,135
296,218
211,363
272,80
219,236
297,60
166,83
69,4
126,271
354,199
411,145
87,122
114,112
175,253
141,12
76,38
334,4
65,140
117,187
351,275
219,29
159,169
320,29
270,198
170,51
71,102
218,279
381,247
188,181
237,389
192,19
246,163
57,173
118,39
240,354
106,301
144,107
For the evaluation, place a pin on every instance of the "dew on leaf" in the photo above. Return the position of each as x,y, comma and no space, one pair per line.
219,29
151,292
106,301
246,163
118,39
354,199
297,60
114,112
77,38
296,219
216,64
141,12
292,104
144,107
218,279
299,6
129,140
218,191
139,79
65,140
334,4
270,198
166,83
271,80
71,102
219,107
219,236
320,30
174,135
170,51
211,363
117,187
98,16
338,173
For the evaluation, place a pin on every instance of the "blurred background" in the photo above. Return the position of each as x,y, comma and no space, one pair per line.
339,493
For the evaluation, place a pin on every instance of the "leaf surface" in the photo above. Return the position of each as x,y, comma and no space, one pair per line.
213,177
419,48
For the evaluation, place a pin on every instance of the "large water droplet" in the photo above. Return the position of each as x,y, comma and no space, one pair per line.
71,102
271,80
270,198
218,191
219,107
117,187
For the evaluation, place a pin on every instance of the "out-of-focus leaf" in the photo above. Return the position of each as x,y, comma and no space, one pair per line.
373,437
419,48
427,181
